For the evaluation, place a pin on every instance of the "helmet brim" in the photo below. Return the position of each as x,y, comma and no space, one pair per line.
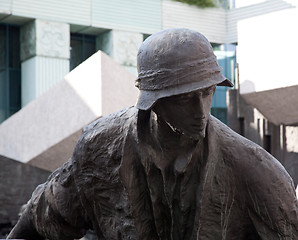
147,99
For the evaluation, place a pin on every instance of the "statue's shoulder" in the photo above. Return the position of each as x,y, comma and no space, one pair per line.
106,132
249,161
226,138
110,125
242,153
231,142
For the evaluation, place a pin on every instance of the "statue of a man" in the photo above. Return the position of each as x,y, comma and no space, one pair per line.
166,169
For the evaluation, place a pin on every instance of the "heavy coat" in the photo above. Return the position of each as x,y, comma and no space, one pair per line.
229,188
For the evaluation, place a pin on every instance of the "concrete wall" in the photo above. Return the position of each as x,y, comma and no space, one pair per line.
136,16
249,122
53,10
44,55
18,181
122,46
211,21
267,60
143,16
291,151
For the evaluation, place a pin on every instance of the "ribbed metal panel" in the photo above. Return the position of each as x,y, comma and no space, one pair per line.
211,21
134,15
69,11
39,74
28,80
49,71
5,6
237,14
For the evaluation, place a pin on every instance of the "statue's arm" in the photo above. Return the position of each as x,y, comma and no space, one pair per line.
54,210
59,208
24,229
273,205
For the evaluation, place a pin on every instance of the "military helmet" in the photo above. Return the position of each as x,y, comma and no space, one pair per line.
175,61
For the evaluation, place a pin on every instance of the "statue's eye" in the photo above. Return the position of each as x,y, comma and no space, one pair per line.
185,98
208,91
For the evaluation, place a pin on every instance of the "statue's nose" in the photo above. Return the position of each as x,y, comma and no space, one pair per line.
199,107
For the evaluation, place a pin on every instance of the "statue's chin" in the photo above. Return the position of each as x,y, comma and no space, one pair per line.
197,137
195,134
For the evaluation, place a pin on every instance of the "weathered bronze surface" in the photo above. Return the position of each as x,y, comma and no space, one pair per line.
166,169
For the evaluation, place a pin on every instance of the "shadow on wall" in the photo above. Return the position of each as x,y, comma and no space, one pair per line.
291,153
280,141
249,121
291,164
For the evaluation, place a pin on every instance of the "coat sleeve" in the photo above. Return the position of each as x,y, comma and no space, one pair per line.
60,209
272,202
54,210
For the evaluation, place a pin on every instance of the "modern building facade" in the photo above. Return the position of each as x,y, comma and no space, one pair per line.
41,41
265,101
47,95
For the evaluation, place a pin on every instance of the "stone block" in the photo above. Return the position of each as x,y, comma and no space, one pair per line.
45,131
122,46
45,38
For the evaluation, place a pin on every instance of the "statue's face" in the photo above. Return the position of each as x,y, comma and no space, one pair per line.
187,113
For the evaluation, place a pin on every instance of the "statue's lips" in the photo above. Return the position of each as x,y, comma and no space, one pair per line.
199,127
199,123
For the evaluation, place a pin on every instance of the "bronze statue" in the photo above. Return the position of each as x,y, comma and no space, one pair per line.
166,169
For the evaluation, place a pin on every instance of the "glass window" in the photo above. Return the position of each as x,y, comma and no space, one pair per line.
14,47
220,113
3,95
226,57
2,46
89,49
14,91
145,36
10,71
75,53
82,46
